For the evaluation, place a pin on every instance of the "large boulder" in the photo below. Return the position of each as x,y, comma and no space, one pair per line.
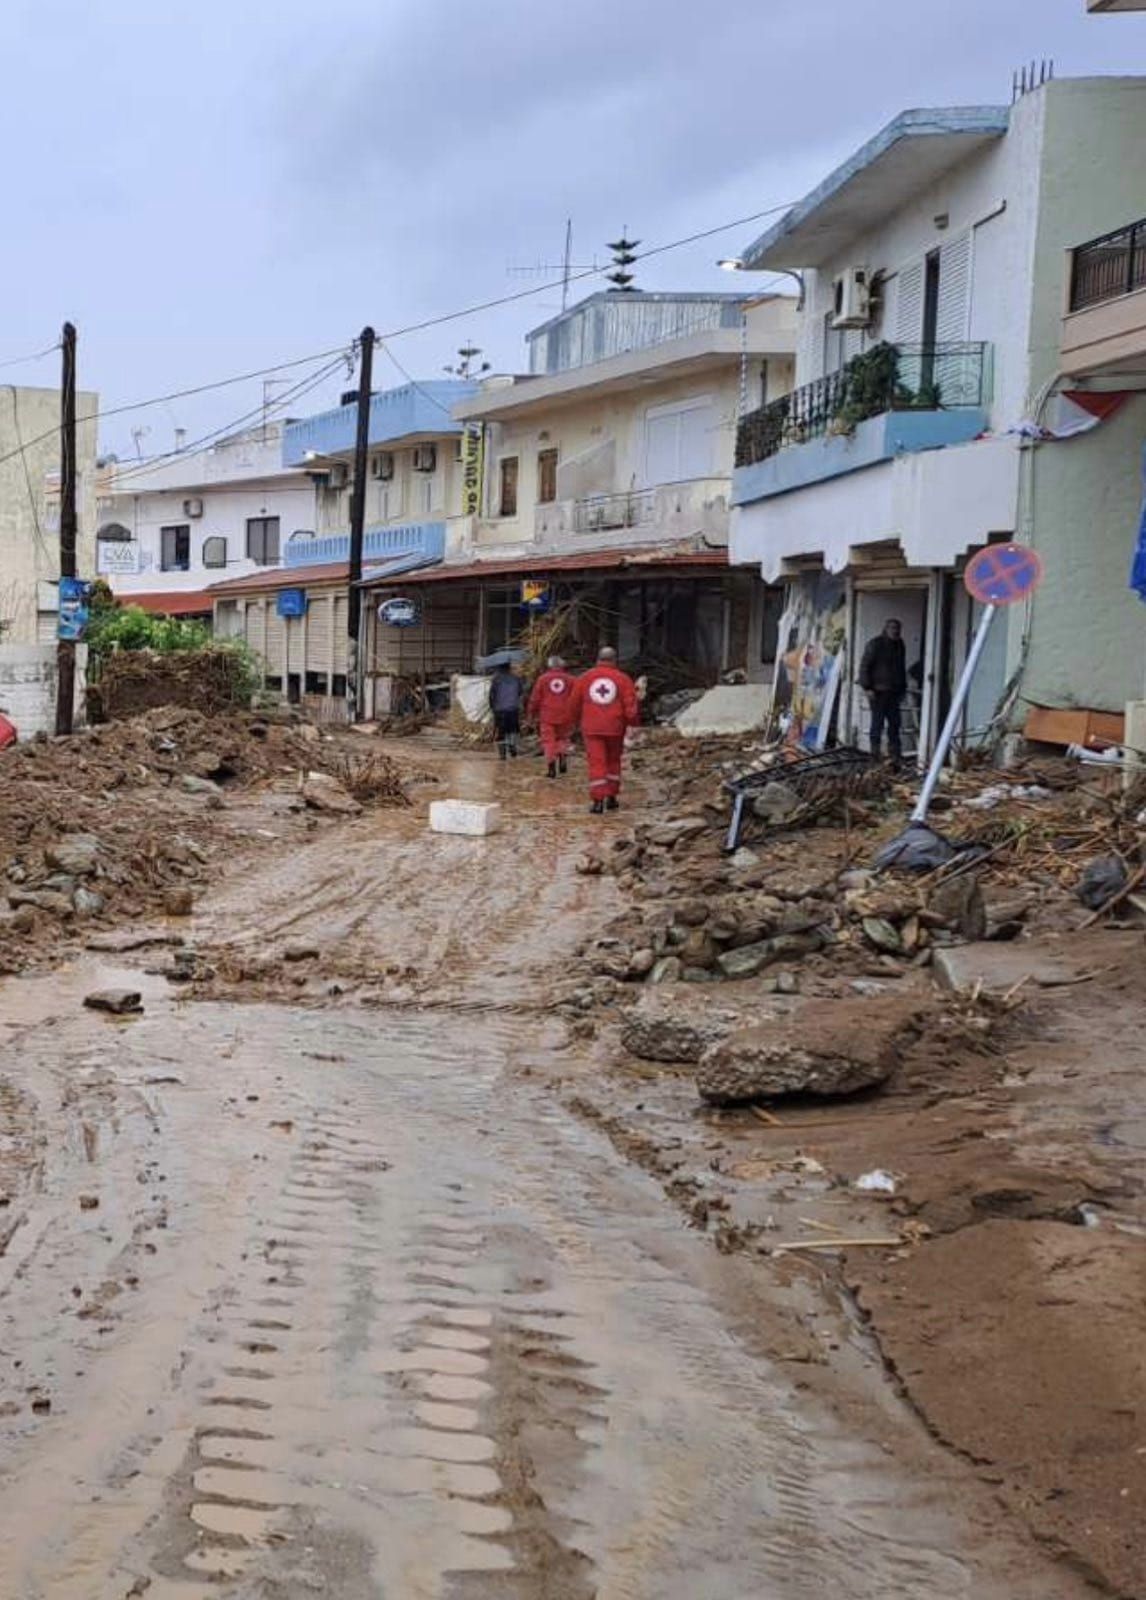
829,1048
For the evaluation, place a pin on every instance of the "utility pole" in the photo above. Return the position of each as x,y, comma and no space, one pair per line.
65,648
358,525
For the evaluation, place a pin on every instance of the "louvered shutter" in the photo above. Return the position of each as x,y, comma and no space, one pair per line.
954,290
909,305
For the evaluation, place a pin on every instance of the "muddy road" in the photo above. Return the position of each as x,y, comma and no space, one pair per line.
339,1299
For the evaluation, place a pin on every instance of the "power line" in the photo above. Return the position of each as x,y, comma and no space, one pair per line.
20,361
297,391
577,277
396,333
184,394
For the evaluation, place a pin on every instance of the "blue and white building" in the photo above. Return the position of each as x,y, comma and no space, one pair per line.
930,381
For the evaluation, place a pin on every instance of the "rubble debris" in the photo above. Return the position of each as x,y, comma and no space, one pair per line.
327,794
958,904
876,1182
119,1002
828,1048
1101,879
75,853
178,901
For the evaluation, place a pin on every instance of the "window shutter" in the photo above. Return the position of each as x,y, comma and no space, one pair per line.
954,290
909,305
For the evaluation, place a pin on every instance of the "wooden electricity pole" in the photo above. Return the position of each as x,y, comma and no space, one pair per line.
357,526
65,648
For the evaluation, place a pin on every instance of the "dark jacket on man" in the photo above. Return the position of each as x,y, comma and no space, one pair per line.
883,669
506,691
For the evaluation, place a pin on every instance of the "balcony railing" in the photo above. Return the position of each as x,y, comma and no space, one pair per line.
1109,267
599,512
888,377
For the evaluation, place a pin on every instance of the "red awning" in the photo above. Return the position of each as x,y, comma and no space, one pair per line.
173,603
631,562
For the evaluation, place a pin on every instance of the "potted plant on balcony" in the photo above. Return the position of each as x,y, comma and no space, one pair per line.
870,388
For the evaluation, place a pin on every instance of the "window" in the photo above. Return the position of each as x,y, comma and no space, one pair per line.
263,540
175,549
316,683
507,487
215,552
546,477
679,441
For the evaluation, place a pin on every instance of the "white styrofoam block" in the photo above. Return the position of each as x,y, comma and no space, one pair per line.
473,817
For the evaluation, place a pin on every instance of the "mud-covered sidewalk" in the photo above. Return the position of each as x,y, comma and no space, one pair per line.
367,1257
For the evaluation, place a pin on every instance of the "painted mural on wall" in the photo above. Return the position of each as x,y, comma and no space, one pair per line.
810,661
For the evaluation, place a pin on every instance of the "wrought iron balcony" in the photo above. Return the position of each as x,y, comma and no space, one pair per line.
888,377
599,512
1109,267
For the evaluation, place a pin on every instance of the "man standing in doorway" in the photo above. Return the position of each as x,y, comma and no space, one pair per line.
551,707
883,678
605,701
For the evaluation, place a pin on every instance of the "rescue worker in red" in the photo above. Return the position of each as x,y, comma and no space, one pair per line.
605,702
551,708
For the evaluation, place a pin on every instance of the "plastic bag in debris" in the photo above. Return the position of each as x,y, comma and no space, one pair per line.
917,849
988,799
877,1182
1101,878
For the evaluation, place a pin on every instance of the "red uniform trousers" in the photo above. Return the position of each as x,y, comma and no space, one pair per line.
603,753
555,737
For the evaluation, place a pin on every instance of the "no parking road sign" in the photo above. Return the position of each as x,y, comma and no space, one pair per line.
1003,574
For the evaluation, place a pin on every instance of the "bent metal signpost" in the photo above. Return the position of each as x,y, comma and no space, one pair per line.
1000,575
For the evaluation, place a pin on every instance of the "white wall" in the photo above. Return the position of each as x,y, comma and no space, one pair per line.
226,510
410,496
991,198
28,686
937,503
603,446
29,502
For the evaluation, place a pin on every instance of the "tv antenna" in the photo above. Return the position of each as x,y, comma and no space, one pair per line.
624,254
466,365
567,267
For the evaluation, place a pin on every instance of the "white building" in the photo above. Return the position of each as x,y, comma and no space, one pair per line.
169,529
294,616
936,268
604,475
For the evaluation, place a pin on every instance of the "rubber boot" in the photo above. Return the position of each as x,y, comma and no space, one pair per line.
562,765
551,770
612,803
596,807
502,750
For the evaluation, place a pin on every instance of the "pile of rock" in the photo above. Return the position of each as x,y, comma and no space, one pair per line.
737,923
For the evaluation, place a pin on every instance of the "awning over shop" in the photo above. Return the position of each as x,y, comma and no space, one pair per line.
188,603
604,562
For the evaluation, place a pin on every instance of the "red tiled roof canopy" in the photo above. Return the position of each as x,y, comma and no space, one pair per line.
171,602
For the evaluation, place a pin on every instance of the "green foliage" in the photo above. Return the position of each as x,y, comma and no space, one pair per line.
132,628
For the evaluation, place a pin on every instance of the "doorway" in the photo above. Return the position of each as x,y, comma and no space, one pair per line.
873,608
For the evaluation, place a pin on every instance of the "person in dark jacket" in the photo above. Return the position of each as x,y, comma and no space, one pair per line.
883,678
506,692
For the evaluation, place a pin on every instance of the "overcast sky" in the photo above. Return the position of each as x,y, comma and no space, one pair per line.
208,188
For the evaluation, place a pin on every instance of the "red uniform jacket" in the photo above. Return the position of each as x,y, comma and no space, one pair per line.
605,700
552,699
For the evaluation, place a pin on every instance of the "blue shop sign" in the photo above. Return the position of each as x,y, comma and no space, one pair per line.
291,603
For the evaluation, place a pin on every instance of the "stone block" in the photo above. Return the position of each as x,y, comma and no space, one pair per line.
472,817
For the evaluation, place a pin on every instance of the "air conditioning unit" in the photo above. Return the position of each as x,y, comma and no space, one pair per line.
851,303
339,475
425,458
382,466
193,508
